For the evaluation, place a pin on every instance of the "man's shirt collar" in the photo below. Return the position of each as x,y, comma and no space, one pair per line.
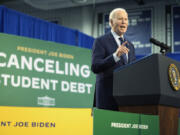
115,35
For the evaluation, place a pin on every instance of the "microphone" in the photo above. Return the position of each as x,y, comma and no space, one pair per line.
160,44
163,46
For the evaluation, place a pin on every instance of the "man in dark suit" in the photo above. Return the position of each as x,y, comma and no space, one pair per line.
109,52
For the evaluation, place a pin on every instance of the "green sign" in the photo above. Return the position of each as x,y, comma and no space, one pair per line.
179,127
39,73
120,123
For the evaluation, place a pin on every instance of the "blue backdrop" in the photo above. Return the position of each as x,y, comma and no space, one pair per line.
139,30
176,27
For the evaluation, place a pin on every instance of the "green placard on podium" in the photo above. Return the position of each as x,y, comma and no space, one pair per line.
119,123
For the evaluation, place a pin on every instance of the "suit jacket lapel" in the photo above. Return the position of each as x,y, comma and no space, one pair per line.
112,41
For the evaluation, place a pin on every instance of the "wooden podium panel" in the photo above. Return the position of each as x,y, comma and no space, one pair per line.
168,116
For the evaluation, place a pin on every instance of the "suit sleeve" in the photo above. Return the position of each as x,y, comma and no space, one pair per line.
101,62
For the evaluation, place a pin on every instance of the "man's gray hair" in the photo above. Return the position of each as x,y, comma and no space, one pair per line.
112,13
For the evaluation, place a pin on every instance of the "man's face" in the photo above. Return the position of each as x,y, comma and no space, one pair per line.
120,22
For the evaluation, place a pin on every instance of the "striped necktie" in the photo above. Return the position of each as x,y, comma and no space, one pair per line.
123,55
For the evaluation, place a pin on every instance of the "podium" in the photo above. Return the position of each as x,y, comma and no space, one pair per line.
150,86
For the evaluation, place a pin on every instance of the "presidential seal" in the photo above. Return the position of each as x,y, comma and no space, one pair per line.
174,77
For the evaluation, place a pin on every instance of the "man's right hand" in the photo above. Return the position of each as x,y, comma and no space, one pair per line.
122,49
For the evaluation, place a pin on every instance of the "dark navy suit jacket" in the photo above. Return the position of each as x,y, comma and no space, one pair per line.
103,65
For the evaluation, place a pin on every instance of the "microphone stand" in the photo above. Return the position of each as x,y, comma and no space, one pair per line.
163,51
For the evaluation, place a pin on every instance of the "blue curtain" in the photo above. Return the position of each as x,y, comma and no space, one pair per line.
1,18
13,22
175,56
85,40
